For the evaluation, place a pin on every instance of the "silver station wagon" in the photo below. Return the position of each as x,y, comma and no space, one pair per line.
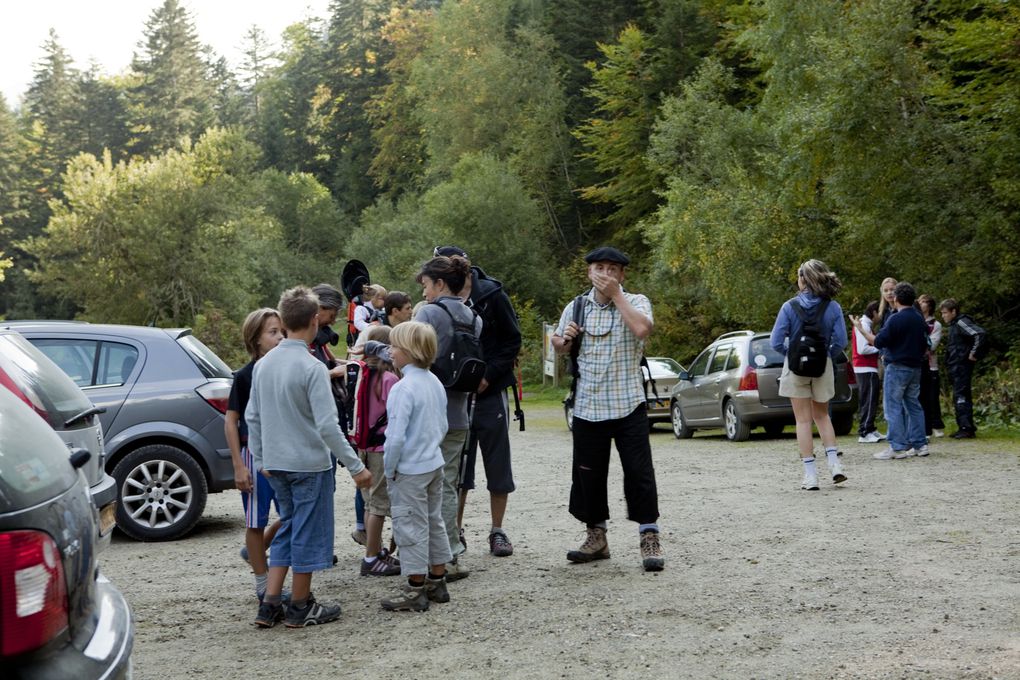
734,384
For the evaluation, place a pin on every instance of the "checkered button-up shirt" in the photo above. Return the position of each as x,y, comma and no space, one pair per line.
611,384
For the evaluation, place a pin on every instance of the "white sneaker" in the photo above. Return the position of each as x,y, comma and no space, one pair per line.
870,438
810,482
837,473
887,454
881,437
905,453
938,433
922,452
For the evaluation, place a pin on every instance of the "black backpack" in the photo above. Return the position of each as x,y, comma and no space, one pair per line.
808,353
462,368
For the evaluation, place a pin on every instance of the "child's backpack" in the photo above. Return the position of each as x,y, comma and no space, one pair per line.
365,434
808,353
462,368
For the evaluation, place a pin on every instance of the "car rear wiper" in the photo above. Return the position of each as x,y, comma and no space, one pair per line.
95,410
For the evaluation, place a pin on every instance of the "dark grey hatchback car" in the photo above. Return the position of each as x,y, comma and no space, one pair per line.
165,395
59,617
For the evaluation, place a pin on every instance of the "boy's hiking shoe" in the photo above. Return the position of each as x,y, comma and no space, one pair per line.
652,558
312,614
269,615
379,567
595,547
456,571
500,545
435,589
409,599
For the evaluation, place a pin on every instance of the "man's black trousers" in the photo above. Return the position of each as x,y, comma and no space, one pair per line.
961,375
592,447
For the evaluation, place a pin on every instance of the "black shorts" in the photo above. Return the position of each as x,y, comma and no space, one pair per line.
490,430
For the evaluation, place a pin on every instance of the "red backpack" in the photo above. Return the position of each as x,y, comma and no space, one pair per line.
360,381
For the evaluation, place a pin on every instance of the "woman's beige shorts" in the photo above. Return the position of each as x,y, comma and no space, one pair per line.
820,389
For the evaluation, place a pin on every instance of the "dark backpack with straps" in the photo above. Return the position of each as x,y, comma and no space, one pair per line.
808,353
462,367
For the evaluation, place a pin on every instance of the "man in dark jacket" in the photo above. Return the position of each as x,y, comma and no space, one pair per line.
904,344
501,342
966,340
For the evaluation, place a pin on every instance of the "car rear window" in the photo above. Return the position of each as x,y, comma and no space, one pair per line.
48,389
206,360
33,461
763,356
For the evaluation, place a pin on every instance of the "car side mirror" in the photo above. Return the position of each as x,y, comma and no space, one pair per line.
684,375
79,457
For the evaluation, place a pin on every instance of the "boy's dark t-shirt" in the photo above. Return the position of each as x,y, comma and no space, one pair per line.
239,395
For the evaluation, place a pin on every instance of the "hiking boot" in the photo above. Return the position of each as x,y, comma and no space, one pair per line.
380,566
963,434
409,599
836,469
456,571
359,536
652,558
435,589
312,614
810,482
269,615
500,545
595,547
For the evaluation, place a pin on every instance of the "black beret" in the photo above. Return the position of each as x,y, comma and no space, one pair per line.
607,254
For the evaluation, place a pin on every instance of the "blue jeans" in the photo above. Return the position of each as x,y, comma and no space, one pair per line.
305,539
903,412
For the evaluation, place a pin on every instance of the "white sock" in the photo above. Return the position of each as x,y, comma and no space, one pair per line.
831,455
261,580
370,560
809,466
495,529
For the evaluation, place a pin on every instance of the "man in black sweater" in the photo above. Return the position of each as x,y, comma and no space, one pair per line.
966,340
903,341
501,342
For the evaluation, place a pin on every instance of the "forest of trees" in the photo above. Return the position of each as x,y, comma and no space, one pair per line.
719,142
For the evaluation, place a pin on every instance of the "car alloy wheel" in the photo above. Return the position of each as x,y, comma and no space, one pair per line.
736,429
162,493
680,429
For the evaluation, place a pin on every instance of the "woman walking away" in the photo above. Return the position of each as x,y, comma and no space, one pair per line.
811,320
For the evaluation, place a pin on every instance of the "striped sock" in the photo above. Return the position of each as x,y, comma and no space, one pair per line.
809,466
831,453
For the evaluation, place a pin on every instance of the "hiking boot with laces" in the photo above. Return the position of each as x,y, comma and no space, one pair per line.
435,589
379,567
312,614
595,547
500,545
652,558
408,599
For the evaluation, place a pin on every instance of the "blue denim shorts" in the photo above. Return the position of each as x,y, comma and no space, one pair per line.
305,539
257,501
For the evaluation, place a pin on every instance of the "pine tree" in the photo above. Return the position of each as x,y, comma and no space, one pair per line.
173,97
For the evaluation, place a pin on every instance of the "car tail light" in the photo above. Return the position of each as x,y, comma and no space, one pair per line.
33,595
851,377
216,393
749,381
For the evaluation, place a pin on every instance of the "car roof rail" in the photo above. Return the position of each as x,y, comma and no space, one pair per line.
734,334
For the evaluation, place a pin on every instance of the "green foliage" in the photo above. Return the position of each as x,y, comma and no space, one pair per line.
159,240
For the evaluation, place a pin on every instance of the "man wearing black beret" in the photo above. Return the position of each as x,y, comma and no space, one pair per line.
610,405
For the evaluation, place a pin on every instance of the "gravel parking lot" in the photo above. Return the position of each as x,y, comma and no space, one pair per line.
909,570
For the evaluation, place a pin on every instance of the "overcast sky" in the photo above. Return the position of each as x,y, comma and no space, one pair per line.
108,31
